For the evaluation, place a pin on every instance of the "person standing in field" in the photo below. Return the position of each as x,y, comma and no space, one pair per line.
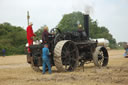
3,51
30,35
126,51
46,60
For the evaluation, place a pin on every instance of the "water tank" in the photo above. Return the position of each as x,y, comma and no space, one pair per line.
102,42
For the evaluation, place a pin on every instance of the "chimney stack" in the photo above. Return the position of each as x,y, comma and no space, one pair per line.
86,24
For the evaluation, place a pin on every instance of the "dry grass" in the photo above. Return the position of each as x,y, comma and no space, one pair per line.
9,60
116,73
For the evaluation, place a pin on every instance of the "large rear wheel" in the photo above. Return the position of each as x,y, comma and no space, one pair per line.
65,55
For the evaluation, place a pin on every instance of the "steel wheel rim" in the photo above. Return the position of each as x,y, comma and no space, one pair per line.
101,57
69,56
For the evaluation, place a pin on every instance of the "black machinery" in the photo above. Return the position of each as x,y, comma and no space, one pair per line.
69,50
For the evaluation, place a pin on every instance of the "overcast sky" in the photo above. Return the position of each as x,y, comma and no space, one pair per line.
112,14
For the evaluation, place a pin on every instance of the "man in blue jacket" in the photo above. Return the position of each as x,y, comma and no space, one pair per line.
45,58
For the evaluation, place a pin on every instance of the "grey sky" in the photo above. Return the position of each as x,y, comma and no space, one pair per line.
112,14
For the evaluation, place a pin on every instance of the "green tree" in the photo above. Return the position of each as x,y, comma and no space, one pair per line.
12,38
69,23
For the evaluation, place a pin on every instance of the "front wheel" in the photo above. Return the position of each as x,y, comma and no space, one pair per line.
35,63
100,57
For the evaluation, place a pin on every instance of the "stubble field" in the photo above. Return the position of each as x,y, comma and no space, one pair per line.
15,71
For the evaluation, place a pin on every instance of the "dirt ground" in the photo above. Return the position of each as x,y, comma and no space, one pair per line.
15,71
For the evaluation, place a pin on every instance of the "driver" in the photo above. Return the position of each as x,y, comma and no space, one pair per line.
80,30
45,34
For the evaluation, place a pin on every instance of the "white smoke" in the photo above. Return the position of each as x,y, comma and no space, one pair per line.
84,6
88,9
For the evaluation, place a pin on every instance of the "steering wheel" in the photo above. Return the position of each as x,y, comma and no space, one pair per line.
55,31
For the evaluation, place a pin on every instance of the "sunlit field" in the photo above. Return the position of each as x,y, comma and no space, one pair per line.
15,71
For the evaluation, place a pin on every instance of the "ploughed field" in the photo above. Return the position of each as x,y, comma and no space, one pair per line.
15,71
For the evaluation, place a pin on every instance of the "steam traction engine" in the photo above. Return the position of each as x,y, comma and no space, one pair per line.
70,49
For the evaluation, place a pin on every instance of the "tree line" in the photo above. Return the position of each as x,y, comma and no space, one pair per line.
13,38
70,21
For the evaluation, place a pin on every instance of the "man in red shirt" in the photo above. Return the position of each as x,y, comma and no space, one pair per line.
30,35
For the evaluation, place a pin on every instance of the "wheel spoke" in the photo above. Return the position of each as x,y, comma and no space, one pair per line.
64,48
101,57
73,50
69,46
63,54
101,53
69,55
100,62
72,59
66,67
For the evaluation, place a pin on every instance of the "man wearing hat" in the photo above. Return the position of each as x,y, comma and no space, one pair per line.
30,35
80,30
45,35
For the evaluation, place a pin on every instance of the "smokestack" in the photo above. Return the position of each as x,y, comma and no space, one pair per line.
86,24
